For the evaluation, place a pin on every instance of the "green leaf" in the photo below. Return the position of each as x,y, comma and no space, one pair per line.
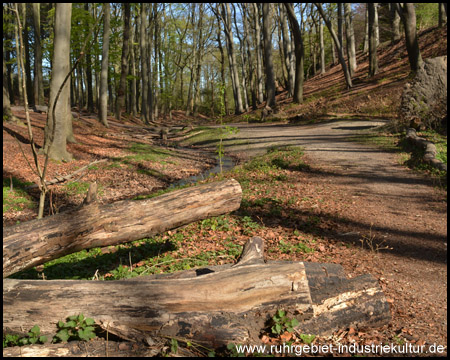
73,317
70,324
80,318
60,324
174,345
63,335
35,329
90,321
43,339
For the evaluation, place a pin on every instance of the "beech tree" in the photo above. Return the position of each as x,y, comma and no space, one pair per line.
56,132
373,59
338,44
350,35
270,76
408,15
103,95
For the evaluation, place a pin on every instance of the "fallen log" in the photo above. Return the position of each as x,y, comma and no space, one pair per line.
92,225
430,149
211,306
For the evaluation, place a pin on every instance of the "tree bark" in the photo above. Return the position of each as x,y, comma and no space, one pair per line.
103,103
442,14
38,78
348,78
373,58
408,15
259,73
38,241
6,103
212,306
270,74
120,100
299,54
395,23
56,145
351,48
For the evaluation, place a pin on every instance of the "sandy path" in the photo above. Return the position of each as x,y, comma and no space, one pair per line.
401,207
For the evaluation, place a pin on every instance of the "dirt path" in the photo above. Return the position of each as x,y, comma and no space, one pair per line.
397,207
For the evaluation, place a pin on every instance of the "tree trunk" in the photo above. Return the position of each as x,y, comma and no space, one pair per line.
348,78
395,23
351,48
373,58
270,74
322,47
212,306
299,54
442,15
38,78
103,103
38,241
120,100
58,125
145,111
408,15
6,103
259,73
287,51
226,17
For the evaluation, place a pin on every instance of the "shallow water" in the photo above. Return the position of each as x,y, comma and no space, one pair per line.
227,164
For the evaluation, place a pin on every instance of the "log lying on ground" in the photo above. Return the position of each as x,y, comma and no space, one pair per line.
211,306
38,241
430,149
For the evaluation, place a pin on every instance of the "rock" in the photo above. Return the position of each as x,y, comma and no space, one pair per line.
424,100
40,108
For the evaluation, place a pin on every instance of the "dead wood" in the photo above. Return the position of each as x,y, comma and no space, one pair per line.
211,306
92,225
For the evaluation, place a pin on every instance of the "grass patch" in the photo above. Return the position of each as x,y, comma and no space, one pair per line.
16,199
145,152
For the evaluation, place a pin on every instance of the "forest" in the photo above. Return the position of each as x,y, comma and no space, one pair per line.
263,174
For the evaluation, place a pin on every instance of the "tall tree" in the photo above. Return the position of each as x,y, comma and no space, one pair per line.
287,50
226,18
145,109
270,74
299,54
120,100
373,58
338,44
88,78
6,103
442,14
395,23
59,117
351,48
258,49
103,96
408,15
38,78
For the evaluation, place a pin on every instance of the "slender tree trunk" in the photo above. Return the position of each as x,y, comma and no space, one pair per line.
19,70
56,133
322,47
243,61
30,88
408,15
340,22
351,48
226,17
38,78
373,59
287,50
442,14
366,30
339,46
222,68
376,25
395,23
270,74
6,103
103,108
258,49
299,54
144,64
90,94
120,100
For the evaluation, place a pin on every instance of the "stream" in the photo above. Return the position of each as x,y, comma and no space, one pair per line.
227,164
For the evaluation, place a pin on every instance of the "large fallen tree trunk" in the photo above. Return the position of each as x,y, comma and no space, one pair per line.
211,306
92,225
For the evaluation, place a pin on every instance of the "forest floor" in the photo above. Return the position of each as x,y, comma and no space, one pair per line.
340,202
